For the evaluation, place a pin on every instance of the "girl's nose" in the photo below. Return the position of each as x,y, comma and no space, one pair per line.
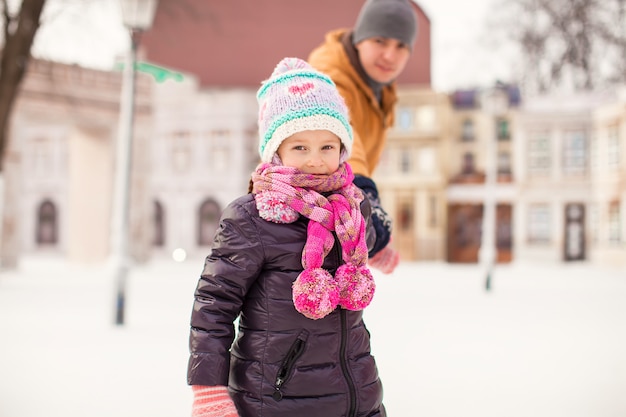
315,160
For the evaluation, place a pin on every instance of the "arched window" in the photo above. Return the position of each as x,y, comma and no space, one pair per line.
158,224
208,220
47,223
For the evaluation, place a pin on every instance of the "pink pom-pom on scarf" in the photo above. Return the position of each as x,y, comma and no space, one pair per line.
356,286
273,209
315,293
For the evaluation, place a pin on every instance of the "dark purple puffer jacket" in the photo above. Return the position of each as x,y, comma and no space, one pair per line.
282,364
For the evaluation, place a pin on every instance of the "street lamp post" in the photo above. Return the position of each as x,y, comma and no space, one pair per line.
487,254
137,16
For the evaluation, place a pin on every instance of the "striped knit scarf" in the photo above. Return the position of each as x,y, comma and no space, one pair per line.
282,195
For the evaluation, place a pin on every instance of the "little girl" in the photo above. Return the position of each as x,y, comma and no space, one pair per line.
289,261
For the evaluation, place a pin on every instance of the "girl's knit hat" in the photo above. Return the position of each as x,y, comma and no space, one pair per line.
295,98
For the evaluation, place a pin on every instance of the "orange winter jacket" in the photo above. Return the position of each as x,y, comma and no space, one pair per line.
369,119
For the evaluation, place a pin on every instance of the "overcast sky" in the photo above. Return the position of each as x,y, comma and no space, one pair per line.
462,52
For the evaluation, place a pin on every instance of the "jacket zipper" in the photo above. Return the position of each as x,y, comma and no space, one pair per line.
344,364
343,348
285,368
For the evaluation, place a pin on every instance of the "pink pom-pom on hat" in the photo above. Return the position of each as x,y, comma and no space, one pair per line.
289,64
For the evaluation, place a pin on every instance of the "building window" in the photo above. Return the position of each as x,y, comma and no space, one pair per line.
219,152
593,153
427,161
502,128
41,151
467,135
615,225
504,163
405,118
181,151
575,153
159,224
219,157
208,220
613,149
405,161
47,224
426,118
539,223
468,164
539,154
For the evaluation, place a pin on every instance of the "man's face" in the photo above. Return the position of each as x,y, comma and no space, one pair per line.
383,59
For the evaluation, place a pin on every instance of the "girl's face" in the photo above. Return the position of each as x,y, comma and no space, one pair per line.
311,151
383,59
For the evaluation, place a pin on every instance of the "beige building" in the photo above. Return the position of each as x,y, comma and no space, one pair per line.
606,228
480,164
60,164
553,169
556,181
411,177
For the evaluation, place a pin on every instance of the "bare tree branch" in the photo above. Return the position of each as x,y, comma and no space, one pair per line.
568,42
14,59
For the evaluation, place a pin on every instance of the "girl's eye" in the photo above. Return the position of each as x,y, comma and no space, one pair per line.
299,148
328,147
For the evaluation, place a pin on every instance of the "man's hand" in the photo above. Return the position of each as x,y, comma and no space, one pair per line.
386,260
380,218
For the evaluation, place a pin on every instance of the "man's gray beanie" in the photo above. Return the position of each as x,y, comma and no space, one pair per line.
393,19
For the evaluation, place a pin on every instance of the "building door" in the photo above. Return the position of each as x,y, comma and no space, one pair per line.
158,224
504,233
208,221
574,241
47,224
464,232
404,230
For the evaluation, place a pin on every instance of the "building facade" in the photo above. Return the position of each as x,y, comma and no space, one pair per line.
607,212
539,179
204,149
412,176
550,170
569,192
60,165
481,172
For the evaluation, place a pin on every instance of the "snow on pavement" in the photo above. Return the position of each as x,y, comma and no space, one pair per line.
546,341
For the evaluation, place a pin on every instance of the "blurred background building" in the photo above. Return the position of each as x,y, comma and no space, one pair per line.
560,169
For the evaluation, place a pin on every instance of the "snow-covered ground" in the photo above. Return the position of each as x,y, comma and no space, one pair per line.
546,341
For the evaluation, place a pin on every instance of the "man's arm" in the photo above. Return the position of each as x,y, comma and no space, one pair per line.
380,218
